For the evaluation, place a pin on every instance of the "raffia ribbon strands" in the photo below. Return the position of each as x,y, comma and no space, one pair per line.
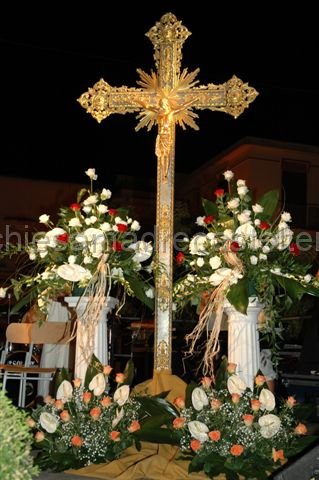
214,304
97,291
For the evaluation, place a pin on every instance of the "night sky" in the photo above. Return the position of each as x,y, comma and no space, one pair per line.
51,52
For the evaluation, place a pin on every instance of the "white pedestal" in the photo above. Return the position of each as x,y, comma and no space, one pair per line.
101,348
243,340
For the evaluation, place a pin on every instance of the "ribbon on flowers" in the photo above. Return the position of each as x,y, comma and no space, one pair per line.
97,291
214,303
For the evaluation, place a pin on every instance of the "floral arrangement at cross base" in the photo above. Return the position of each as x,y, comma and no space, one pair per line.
245,249
227,428
92,247
84,424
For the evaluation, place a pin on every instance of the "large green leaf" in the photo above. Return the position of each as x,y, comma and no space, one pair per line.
188,394
221,374
60,376
129,372
293,288
238,295
270,202
155,406
138,288
209,207
94,367
299,444
152,430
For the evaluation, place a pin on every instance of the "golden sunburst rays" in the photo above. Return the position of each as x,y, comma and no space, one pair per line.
178,103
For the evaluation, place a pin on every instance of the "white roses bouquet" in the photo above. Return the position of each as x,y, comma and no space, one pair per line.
245,249
90,244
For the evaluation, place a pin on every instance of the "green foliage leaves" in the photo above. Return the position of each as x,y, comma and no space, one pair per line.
15,443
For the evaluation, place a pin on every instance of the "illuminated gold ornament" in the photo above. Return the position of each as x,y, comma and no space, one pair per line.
166,98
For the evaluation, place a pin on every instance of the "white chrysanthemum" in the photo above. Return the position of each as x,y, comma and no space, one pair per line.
87,209
49,422
263,257
199,399
266,249
269,425
198,430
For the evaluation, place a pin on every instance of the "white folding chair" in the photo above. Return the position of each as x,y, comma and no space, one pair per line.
30,334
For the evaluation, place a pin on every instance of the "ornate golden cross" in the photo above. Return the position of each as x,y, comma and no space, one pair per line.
166,98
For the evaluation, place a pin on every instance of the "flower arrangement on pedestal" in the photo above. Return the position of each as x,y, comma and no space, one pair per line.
92,246
245,249
227,428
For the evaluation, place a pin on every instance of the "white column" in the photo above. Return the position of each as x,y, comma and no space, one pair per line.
101,348
243,340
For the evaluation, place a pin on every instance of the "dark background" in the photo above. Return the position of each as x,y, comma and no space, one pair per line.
51,52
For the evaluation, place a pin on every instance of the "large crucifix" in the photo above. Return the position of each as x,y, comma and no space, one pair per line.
166,98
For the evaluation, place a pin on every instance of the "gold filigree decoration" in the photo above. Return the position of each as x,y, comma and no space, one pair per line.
239,95
164,224
162,357
165,99
163,292
168,30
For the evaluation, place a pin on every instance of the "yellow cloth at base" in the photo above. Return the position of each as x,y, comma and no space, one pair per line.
153,462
